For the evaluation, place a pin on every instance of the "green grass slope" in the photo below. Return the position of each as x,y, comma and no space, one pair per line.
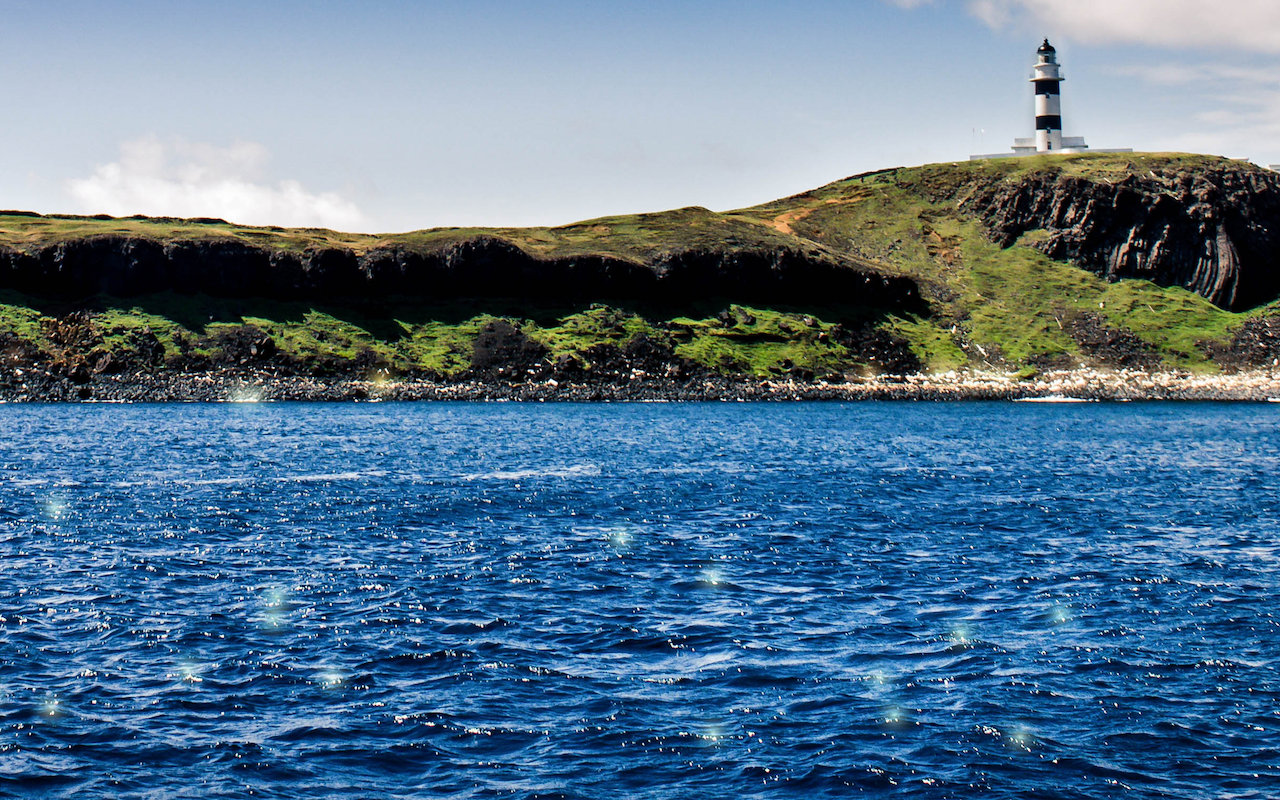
988,307
1011,306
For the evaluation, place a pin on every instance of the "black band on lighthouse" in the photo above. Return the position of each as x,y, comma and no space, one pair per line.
1047,123
1048,87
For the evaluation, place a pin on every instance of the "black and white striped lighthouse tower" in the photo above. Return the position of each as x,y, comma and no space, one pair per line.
1047,80
1048,84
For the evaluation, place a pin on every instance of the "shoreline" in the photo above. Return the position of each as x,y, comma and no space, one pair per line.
241,386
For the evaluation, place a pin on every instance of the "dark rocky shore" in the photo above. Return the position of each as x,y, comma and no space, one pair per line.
235,386
247,366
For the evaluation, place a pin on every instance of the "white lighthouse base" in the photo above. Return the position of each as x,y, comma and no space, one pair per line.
1027,147
1064,151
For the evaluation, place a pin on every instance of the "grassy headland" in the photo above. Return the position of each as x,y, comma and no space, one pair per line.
983,306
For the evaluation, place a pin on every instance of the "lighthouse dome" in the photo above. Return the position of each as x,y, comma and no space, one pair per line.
1046,48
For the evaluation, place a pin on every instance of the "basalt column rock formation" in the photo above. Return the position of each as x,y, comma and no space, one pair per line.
1215,231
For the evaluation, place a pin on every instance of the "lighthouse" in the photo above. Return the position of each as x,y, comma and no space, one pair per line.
1048,82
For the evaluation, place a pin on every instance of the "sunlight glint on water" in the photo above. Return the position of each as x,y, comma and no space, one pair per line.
639,601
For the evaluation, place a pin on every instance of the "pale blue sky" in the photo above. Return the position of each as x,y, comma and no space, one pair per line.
388,116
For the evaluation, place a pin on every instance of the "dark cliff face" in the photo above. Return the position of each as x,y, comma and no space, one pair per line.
1213,231
1209,225
475,268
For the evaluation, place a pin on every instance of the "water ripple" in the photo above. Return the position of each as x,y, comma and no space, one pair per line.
641,601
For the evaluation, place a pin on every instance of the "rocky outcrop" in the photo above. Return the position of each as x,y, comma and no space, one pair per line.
880,348
503,349
1255,344
1110,346
1213,230
483,266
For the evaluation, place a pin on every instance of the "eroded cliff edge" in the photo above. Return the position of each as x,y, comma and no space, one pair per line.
1214,229
672,268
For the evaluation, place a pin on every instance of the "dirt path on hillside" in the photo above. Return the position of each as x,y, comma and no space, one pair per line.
785,220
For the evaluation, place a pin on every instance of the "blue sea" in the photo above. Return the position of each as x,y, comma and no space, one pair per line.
640,601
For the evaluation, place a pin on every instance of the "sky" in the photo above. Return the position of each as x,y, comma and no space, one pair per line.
390,115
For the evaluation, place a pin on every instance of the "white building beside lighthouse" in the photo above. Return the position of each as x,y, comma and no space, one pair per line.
1047,79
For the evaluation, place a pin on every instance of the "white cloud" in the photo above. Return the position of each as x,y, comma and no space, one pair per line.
1240,107
1252,25
193,179
1228,108
1172,74
1246,24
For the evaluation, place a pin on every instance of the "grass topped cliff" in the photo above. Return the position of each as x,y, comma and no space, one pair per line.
1143,261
